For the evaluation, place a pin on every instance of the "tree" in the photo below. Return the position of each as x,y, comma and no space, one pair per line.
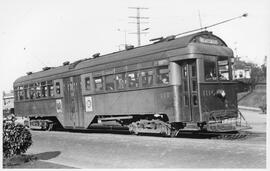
258,73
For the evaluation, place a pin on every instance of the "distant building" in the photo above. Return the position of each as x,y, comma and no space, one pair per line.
241,70
8,103
243,73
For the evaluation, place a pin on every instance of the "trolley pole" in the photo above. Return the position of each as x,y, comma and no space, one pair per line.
138,18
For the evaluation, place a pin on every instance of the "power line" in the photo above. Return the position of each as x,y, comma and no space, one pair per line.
138,18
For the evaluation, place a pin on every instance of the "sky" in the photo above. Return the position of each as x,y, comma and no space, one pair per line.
39,33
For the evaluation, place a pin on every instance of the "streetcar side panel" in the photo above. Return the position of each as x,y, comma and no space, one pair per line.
148,101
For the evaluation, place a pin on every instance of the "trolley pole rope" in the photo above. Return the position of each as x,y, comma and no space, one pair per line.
244,15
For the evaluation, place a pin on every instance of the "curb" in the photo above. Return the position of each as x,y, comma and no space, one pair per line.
249,108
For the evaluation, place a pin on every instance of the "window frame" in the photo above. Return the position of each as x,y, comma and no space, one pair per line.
111,83
159,81
102,83
147,77
137,79
217,68
124,81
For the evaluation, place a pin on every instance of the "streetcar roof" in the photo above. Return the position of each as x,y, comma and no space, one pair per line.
162,46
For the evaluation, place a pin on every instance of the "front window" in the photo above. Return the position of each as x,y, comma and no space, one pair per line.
21,93
57,88
50,88
87,83
210,69
223,69
216,68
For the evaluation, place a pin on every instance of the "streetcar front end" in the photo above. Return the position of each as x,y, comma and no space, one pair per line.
218,96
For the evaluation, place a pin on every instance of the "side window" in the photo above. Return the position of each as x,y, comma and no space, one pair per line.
87,83
38,90
26,92
133,79
50,88
21,93
57,88
163,75
98,83
32,91
109,82
147,78
120,81
44,89
16,93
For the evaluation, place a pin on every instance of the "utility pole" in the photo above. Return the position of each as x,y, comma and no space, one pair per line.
138,17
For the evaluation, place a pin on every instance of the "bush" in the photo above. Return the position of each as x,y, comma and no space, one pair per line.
263,108
16,138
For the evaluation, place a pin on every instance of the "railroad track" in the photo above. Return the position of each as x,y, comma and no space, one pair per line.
215,135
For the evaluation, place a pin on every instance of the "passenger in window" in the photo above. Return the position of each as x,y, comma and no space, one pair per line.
98,84
165,80
133,80
110,86
222,77
211,76
163,75
32,95
109,82
120,81
147,78
38,94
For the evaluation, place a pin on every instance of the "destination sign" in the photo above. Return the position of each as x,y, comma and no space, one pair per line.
208,41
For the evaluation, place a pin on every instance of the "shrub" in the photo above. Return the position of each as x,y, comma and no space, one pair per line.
16,138
263,108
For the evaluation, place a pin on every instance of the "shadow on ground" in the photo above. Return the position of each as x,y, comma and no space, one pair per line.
31,160
47,155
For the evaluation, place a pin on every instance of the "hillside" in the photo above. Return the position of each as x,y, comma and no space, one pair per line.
256,98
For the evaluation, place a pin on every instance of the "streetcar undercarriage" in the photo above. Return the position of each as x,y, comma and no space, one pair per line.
158,124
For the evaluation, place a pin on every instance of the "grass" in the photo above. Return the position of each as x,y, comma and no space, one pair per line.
255,99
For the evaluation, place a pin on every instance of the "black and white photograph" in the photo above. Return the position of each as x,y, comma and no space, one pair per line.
134,84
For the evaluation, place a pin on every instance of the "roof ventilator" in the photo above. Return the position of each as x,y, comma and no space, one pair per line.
46,68
162,39
96,55
65,63
73,65
129,47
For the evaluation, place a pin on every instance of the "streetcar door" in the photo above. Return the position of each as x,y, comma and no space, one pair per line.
189,91
79,112
73,116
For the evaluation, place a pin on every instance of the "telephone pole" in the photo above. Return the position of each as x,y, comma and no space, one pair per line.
138,17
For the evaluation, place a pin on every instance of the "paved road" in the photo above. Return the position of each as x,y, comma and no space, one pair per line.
96,150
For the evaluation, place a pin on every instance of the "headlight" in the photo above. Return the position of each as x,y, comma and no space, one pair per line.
220,93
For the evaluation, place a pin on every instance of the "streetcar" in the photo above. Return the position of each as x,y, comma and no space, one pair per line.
174,84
